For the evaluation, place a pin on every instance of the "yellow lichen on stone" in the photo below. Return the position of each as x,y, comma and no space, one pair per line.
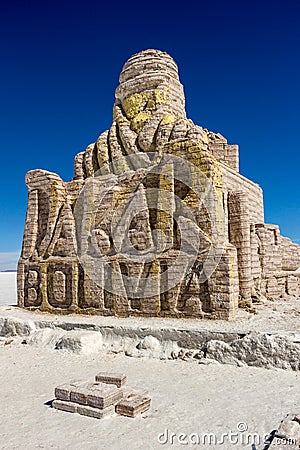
145,101
151,105
133,104
205,162
168,118
139,120
191,199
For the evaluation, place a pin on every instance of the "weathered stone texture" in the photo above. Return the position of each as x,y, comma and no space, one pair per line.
157,220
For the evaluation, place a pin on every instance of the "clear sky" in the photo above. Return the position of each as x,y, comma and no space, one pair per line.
239,62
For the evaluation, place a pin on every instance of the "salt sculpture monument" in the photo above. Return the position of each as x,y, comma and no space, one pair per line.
157,220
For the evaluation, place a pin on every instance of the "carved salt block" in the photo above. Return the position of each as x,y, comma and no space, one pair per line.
64,406
80,393
119,379
133,405
95,412
63,391
103,395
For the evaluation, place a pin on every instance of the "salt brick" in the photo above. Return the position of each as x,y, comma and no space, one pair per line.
119,379
64,406
95,412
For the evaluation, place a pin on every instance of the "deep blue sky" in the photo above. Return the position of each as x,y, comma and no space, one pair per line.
239,62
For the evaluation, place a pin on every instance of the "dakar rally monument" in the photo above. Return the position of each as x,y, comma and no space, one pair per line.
157,220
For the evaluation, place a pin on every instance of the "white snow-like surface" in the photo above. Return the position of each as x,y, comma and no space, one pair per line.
187,398
190,399
8,288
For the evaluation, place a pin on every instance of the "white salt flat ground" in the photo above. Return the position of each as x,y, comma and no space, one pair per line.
8,288
186,398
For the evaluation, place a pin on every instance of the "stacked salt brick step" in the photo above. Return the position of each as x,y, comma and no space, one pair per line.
101,398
